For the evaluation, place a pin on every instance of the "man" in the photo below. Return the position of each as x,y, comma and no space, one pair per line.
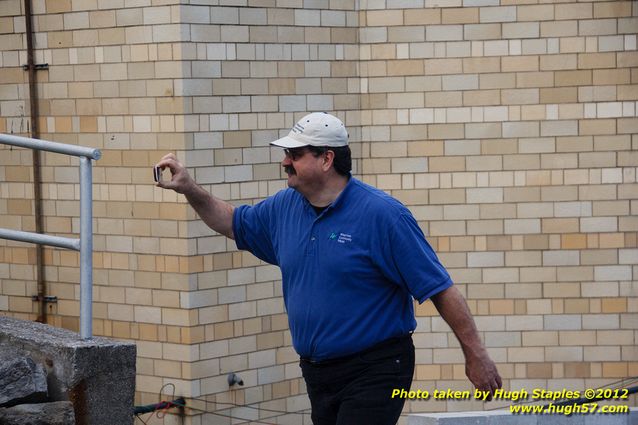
352,260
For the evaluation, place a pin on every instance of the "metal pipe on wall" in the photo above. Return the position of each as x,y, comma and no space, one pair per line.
37,178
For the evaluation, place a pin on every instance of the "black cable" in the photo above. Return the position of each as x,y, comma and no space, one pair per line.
298,412
227,416
140,418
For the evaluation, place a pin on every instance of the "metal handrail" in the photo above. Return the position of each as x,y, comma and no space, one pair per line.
85,243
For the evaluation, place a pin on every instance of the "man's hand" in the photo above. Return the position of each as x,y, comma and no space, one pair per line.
479,368
181,181
481,371
217,214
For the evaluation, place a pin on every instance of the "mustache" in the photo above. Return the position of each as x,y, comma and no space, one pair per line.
289,169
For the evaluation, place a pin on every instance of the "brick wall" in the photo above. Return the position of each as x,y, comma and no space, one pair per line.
507,128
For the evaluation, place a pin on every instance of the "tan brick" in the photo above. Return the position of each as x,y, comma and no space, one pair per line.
596,60
615,370
443,99
405,67
495,81
573,78
539,370
521,30
531,12
465,15
597,27
559,28
614,305
597,127
424,16
520,63
444,66
61,6
573,11
611,76
384,17
534,79
612,9
481,31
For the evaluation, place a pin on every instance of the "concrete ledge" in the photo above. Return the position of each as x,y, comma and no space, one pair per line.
97,375
500,417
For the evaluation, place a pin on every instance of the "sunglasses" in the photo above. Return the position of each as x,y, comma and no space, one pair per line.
296,153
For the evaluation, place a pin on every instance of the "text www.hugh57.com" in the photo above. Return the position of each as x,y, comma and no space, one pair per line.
567,409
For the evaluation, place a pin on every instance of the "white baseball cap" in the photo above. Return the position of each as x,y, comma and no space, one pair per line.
315,129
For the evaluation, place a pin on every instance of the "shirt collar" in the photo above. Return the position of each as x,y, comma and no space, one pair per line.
337,202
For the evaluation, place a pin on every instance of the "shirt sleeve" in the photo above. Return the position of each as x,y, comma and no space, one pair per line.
253,230
411,262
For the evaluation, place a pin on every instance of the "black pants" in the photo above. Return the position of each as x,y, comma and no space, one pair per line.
357,389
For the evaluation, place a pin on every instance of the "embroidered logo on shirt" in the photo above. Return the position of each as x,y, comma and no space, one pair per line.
333,236
344,237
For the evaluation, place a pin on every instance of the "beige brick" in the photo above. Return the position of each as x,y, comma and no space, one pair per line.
559,28
534,79
422,16
58,6
384,17
596,60
444,66
405,67
498,14
559,95
544,12
611,76
481,31
465,15
520,63
612,9
597,27
625,25
596,127
573,11
521,30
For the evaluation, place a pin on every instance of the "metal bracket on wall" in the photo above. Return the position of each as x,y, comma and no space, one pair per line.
37,67
47,299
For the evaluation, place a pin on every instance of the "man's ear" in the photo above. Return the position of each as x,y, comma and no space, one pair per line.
328,160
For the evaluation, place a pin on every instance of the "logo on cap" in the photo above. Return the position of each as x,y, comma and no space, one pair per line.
298,128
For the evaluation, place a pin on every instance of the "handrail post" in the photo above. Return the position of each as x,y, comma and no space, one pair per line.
86,248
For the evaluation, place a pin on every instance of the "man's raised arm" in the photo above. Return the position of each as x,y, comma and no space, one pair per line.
216,213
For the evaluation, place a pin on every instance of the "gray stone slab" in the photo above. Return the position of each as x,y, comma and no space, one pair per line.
96,375
54,413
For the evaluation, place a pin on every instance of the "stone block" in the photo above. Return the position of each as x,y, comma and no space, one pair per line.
96,375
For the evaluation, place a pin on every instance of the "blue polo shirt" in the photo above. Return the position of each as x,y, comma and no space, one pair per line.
349,273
